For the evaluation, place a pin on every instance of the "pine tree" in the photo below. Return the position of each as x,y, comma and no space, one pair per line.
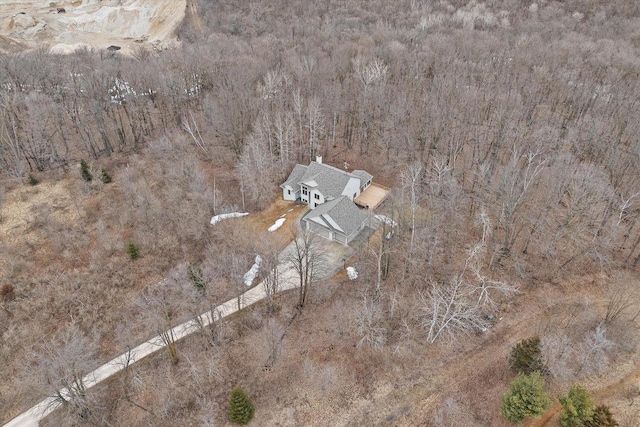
195,276
84,171
526,357
525,399
602,417
7,292
577,407
105,177
133,251
240,407
33,180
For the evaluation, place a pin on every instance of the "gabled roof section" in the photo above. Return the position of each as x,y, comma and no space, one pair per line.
330,181
294,177
340,211
363,175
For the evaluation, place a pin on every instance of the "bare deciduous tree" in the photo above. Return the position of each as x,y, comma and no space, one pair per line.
62,362
450,310
516,184
369,321
258,167
411,178
160,308
270,255
306,260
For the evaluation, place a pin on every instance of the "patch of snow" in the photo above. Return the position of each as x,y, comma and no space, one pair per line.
276,225
216,219
120,90
283,215
194,86
251,274
352,273
290,210
387,220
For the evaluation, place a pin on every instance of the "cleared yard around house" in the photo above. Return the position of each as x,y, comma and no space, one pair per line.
372,197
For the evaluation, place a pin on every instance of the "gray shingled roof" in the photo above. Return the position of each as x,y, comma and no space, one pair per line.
363,175
342,211
331,181
294,177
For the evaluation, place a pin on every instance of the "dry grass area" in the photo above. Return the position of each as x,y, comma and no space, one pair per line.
619,389
261,221
321,377
328,381
23,206
62,249
504,129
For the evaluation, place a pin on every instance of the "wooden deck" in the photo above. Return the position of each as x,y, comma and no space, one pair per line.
372,196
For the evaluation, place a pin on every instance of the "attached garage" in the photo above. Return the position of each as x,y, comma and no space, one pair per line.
319,230
338,220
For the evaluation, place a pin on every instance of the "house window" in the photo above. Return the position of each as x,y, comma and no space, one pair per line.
304,191
288,191
315,205
317,196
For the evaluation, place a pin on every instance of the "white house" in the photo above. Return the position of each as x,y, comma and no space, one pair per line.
329,192
319,183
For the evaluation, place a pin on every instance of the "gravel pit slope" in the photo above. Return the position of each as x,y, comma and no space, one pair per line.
67,25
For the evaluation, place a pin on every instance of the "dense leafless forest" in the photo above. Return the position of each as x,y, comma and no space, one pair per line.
507,130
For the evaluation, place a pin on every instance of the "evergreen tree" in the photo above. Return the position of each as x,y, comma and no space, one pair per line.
240,407
602,417
33,180
195,276
577,407
525,399
84,171
105,177
133,251
526,357
7,292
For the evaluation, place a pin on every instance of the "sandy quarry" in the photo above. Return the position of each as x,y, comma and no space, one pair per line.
66,25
